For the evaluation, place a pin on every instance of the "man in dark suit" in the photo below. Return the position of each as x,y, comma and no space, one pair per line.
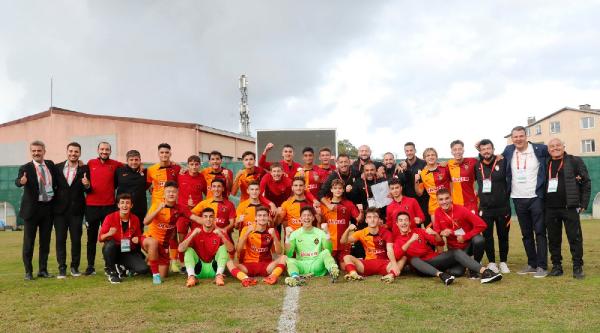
37,179
69,206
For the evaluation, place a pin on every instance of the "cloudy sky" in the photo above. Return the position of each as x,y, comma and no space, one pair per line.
381,72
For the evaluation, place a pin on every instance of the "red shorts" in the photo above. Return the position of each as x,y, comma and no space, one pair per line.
257,268
339,254
163,252
375,266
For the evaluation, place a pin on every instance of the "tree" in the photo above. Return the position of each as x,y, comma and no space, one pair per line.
346,147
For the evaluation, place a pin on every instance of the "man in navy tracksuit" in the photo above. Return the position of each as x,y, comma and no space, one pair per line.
526,168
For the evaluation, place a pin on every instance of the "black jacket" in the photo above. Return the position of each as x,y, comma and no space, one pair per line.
70,199
133,182
496,202
31,189
325,190
577,191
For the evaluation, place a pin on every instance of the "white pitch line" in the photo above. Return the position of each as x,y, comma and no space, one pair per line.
289,311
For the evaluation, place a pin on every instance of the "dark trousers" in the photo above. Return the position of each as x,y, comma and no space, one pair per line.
453,261
555,218
502,228
72,225
133,261
42,220
476,247
94,215
530,213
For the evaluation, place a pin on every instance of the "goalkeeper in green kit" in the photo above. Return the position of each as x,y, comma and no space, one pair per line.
309,251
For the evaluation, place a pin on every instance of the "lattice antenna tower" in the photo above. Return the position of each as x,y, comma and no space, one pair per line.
244,111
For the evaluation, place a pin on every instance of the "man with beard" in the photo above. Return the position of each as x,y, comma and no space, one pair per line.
100,201
392,170
131,179
342,173
364,157
412,166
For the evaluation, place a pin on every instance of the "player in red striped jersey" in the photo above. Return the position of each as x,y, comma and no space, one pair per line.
257,242
250,173
431,179
338,214
462,173
288,165
313,175
216,170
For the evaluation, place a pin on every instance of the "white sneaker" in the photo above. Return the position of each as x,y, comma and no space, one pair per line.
492,267
504,268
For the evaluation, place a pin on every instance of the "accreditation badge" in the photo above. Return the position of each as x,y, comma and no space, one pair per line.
459,232
371,202
125,245
552,185
486,186
521,176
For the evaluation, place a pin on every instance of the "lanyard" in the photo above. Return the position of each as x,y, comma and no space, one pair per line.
344,180
69,172
524,164
557,170
128,228
492,170
451,217
42,178
366,188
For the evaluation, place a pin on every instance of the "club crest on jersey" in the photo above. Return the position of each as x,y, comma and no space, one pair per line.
315,177
214,241
267,238
466,167
440,177
343,210
316,241
380,242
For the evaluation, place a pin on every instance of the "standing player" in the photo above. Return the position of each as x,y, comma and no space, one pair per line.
288,165
462,174
223,208
342,173
289,212
379,250
257,241
313,175
249,174
309,250
161,221
364,157
414,165
275,186
338,219
432,178
205,251
402,203
216,171
131,179
157,176
327,163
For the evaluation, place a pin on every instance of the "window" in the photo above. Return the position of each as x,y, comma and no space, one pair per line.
587,122
588,146
527,131
227,158
538,129
555,127
204,157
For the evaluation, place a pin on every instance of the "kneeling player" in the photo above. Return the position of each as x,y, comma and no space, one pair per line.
309,250
379,250
161,221
255,243
414,243
206,251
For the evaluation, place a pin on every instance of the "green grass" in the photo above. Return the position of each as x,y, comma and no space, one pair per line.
517,303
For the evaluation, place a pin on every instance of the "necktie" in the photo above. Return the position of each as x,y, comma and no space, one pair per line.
43,184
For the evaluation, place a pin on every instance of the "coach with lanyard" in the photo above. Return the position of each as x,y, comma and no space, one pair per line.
526,179
567,195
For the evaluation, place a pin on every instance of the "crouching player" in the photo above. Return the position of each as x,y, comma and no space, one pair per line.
254,252
120,234
161,221
309,250
379,250
415,244
206,251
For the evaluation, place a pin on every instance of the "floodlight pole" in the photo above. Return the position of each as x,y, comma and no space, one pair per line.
244,112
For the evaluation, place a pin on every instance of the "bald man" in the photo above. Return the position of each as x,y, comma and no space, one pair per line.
364,157
568,190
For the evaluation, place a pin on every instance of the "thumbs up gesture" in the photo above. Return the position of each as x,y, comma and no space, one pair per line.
85,181
23,179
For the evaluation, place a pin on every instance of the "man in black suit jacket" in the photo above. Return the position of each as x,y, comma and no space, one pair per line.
37,178
69,207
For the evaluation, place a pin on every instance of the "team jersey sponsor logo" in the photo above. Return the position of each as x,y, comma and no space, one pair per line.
336,222
259,249
376,251
309,254
434,189
460,179
165,226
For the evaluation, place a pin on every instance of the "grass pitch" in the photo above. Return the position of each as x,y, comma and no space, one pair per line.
517,303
